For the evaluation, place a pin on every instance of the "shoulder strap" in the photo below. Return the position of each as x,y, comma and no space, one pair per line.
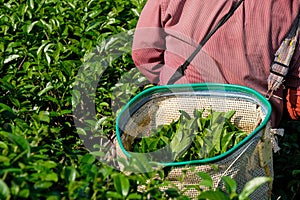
180,71
283,57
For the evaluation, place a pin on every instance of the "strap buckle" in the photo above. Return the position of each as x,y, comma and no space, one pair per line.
269,94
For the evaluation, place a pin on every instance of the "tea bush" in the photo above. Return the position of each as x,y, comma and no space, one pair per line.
43,46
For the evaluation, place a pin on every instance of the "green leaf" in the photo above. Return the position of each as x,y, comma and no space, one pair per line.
252,185
228,115
31,4
11,170
3,145
53,197
88,159
46,89
4,190
48,164
185,114
217,135
230,185
180,142
81,131
30,26
134,196
44,116
19,140
121,184
69,174
46,25
206,179
4,159
1,46
94,13
295,172
213,195
226,140
4,107
11,58
113,195
24,193
198,113
172,193
48,58
5,84
153,144
42,185
39,51
51,177
14,188
216,118
98,153
92,26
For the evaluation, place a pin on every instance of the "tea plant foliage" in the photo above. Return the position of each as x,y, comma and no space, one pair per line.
43,46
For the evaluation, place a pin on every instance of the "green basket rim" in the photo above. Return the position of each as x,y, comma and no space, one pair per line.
207,87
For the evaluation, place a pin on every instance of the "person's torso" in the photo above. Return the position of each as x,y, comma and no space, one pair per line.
241,51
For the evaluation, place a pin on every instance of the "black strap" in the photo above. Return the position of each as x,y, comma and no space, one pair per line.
180,71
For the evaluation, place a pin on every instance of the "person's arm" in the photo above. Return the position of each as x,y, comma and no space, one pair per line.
149,42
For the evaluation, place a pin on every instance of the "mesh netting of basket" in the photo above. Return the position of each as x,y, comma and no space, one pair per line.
159,105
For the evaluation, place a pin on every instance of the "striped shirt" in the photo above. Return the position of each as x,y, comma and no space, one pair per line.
240,52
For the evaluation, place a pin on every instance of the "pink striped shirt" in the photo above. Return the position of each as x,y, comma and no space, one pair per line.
240,52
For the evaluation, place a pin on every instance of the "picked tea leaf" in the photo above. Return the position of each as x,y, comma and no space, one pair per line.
193,137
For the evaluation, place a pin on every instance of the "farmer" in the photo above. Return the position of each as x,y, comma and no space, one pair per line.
240,52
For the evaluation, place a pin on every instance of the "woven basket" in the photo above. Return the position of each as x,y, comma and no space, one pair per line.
159,105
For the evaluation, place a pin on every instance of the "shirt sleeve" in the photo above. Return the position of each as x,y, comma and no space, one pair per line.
149,41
